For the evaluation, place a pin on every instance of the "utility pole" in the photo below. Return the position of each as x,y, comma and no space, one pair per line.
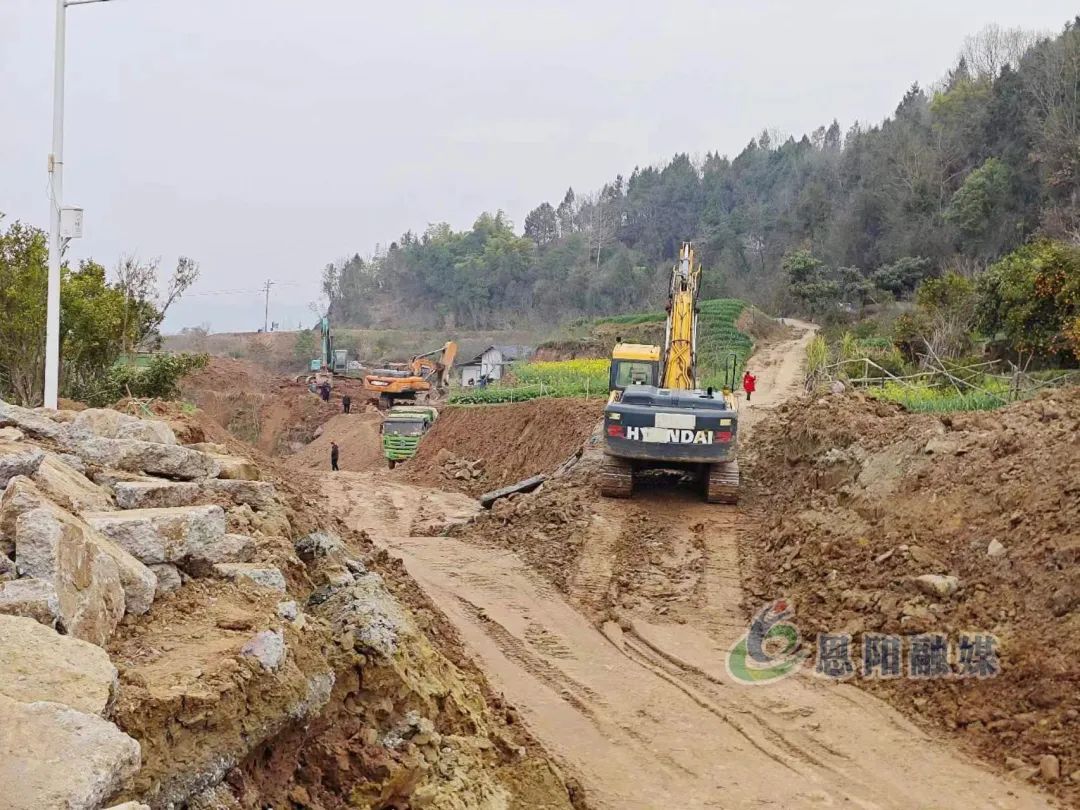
266,309
56,188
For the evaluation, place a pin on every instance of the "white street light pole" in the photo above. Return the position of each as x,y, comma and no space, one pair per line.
56,188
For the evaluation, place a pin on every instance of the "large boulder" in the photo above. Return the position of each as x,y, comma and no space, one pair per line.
69,488
54,756
167,460
30,422
18,458
37,663
264,576
110,424
21,496
259,495
237,469
155,494
168,535
30,598
86,579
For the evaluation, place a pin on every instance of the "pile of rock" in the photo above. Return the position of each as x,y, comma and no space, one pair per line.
455,468
101,513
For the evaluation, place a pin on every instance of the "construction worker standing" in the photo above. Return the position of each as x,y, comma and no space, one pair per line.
749,383
346,403
333,456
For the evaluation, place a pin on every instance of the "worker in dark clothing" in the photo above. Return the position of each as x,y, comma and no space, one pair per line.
324,392
333,456
346,403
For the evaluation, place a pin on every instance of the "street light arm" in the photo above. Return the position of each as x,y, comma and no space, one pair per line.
83,2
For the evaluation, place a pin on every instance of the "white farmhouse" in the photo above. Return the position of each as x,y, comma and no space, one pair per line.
490,363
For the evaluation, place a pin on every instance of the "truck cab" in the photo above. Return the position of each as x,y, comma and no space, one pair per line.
402,429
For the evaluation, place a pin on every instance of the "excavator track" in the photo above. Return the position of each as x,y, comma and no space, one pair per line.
616,477
722,483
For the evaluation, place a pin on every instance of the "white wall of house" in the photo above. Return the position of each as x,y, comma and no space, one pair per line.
470,374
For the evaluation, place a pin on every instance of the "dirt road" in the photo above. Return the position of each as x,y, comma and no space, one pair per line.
640,708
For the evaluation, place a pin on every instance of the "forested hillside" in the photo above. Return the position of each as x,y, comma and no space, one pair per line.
958,176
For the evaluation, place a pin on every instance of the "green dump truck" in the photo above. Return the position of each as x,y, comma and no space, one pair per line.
402,429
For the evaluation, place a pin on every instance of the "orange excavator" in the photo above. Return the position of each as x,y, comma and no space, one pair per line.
424,377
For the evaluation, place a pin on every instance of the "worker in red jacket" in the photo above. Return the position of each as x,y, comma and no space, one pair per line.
748,383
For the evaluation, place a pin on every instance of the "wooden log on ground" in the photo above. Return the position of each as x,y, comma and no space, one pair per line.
525,485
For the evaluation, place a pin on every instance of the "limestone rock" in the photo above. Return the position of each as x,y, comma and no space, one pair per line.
130,806
155,494
210,447
1050,767
995,549
268,648
69,488
53,756
168,577
110,424
11,434
18,459
169,534
288,610
258,495
22,496
37,663
168,460
1065,599
30,422
262,575
31,598
937,585
318,544
237,469
86,579
7,567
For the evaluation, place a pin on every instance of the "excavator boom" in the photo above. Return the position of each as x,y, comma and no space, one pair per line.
680,339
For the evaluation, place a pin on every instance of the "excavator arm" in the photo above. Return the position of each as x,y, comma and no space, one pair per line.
680,334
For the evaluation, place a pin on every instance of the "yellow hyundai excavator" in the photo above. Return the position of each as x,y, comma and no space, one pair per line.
657,417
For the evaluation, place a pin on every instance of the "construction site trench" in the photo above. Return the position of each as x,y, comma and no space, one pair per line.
375,638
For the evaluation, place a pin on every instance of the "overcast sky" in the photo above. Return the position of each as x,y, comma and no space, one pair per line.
268,138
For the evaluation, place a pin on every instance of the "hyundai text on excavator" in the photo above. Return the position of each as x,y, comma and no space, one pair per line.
657,417
418,378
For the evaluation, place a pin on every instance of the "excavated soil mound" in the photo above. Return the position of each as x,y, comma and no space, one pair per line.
359,444
514,441
853,499
279,415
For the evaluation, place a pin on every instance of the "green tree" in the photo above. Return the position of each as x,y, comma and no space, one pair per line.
99,320
542,225
978,206
24,260
809,281
1030,299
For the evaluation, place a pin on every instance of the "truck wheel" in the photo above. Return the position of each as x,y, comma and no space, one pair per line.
391,463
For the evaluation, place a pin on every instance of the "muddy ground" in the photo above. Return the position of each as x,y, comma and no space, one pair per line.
607,624
852,500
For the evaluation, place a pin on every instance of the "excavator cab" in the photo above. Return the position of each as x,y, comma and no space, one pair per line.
633,364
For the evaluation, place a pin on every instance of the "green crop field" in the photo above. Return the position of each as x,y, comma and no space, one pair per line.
720,344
